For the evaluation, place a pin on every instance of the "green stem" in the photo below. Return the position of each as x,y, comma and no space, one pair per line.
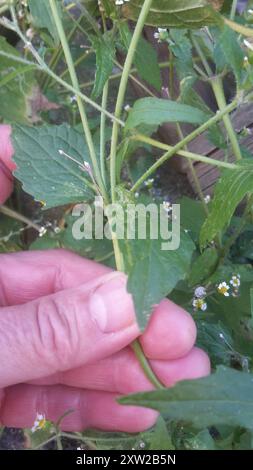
218,90
213,120
118,75
102,133
122,90
80,104
145,365
57,55
42,67
136,80
201,56
233,9
194,174
21,218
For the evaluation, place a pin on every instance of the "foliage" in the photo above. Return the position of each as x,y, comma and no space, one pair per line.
107,153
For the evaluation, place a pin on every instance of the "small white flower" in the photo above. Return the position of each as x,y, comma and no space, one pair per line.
119,2
127,107
250,11
199,304
30,33
235,281
161,34
248,44
167,206
207,198
223,289
72,99
200,292
149,182
136,195
39,423
43,230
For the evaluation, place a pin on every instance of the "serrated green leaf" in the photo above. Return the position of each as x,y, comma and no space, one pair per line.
16,86
44,173
225,397
105,53
145,58
177,14
153,272
228,53
156,111
229,191
42,16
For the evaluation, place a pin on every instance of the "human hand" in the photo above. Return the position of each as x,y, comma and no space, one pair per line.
66,324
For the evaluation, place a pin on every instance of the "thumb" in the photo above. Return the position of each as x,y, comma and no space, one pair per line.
66,329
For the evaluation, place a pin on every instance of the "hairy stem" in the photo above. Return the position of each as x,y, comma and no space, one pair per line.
173,150
21,218
80,104
218,90
122,90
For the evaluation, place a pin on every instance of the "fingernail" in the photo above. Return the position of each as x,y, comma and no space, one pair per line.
111,307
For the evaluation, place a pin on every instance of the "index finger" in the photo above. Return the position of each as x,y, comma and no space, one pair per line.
28,275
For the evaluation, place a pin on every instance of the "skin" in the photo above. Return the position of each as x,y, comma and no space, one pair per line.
64,345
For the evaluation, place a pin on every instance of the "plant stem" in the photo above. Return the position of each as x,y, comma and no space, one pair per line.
194,174
185,141
122,90
184,153
136,80
102,133
21,218
145,365
218,90
80,104
233,9
201,56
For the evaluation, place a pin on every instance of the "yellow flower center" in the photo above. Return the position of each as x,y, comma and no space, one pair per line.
223,290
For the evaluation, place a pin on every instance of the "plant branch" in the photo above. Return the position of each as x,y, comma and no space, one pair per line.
122,90
43,67
213,120
218,90
21,218
73,76
233,9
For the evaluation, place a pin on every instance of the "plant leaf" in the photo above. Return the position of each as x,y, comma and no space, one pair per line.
45,174
229,191
156,111
228,53
177,13
225,397
42,16
153,272
105,53
145,58
16,86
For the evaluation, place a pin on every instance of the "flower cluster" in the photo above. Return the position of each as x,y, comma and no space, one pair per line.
199,302
39,423
232,288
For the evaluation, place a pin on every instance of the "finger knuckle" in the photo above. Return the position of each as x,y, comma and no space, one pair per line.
57,331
